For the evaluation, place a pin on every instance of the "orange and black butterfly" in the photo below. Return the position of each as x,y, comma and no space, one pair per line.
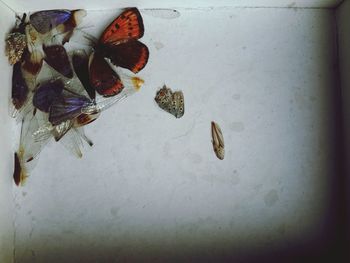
119,43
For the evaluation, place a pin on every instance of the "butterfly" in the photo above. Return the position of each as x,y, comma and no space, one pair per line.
46,93
71,105
217,140
20,88
27,154
46,34
56,56
80,61
70,132
119,43
172,102
61,20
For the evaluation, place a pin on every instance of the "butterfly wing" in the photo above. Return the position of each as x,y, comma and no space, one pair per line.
172,102
33,62
67,107
163,98
132,55
29,148
19,87
81,67
177,107
44,21
46,94
102,77
128,25
57,58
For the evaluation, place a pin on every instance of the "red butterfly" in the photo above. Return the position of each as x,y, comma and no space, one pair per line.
119,42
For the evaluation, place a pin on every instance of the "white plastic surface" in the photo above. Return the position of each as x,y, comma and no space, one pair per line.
151,188
6,143
25,6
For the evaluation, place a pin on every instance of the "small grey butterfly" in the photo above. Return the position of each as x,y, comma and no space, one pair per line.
172,102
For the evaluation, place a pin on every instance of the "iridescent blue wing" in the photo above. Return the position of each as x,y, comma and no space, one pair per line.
47,93
67,107
44,21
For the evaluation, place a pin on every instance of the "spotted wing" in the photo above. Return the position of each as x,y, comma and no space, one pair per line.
128,25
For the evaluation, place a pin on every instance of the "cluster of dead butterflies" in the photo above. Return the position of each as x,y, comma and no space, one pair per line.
54,91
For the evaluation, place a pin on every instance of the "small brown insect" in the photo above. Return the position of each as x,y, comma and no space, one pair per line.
217,140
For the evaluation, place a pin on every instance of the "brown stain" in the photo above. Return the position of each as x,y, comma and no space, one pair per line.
236,96
271,198
158,45
237,126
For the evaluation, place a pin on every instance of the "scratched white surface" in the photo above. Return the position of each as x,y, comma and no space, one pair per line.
151,188
25,6
6,156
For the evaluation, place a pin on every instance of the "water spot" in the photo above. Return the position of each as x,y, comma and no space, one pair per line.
29,212
232,223
114,211
235,178
24,193
149,167
300,100
226,179
158,45
312,98
67,231
258,187
271,198
237,126
291,5
166,150
194,158
281,229
236,96
244,47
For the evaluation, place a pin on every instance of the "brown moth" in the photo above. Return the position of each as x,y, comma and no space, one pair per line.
217,140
